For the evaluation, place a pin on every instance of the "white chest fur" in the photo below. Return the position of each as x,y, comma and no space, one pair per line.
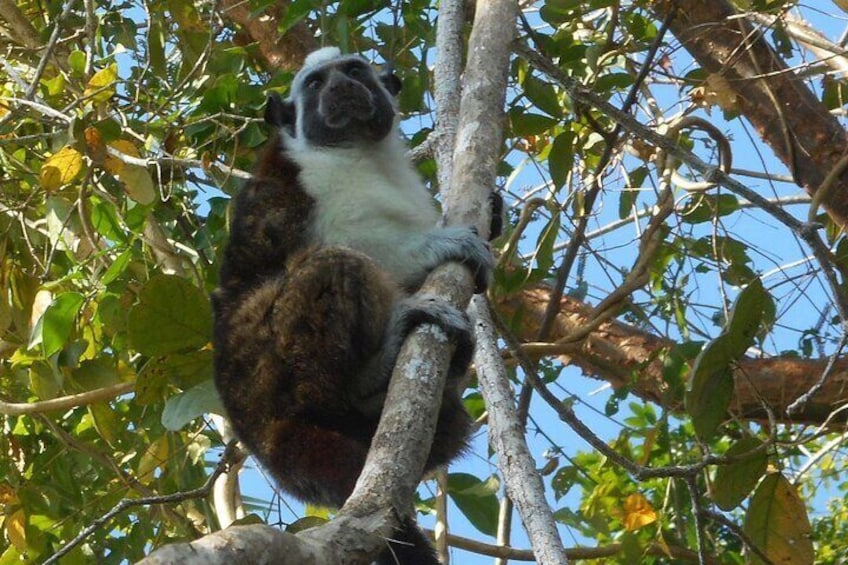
368,199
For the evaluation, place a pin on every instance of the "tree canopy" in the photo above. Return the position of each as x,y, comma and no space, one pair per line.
663,344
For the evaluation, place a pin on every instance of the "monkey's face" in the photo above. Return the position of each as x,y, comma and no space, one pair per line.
341,102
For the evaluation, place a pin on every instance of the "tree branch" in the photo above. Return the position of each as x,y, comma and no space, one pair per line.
800,130
506,435
66,402
617,352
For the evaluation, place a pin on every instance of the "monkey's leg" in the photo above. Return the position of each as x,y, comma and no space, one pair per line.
409,313
292,350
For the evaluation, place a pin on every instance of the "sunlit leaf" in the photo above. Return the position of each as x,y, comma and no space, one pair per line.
16,529
155,456
138,184
777,523
476,499
101,85
637,512
113,164
61,168
58,321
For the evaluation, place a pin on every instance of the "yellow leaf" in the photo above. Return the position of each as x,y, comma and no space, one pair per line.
61,168
16,529
115,165
638,512
7,494
101,86
777,522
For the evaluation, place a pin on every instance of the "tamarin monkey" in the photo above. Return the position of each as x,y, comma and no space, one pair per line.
328,243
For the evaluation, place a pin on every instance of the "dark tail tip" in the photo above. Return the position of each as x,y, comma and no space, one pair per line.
408,546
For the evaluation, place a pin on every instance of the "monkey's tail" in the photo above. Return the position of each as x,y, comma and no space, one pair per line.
408,546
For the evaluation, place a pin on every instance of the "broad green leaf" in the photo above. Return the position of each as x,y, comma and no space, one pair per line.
527,124
560,158
61,168
747,314
705,207
710,386
171,315
186,406
76,61
45,380
734,481
476,499
542,95
777,523
95,373
58,321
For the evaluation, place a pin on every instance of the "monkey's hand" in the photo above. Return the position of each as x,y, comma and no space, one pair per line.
454,244
369,391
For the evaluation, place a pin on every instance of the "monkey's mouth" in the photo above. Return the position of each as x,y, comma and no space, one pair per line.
341,111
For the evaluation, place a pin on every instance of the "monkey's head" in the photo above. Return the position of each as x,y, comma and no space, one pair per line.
336,101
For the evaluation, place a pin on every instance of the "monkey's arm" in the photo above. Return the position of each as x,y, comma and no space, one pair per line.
438,246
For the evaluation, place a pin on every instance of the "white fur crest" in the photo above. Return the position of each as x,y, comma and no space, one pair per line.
320,56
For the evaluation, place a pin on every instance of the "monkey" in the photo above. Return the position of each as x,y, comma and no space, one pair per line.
329,242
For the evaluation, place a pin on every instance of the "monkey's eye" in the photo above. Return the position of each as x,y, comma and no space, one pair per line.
355,72
314,83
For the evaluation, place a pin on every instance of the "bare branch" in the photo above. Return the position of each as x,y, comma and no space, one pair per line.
506,435
66,402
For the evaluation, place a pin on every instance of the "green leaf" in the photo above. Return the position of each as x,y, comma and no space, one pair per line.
746,316
777,523
185,407
95,373
711,387
106,421
544,252
524,124
561,157
172,315
542,95
76,61
476,499
58,321
705,207
734,481
631,193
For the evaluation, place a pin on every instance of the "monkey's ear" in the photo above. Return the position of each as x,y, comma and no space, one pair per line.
390,80
279,112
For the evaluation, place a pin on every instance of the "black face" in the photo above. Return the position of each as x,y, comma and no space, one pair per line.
340,104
